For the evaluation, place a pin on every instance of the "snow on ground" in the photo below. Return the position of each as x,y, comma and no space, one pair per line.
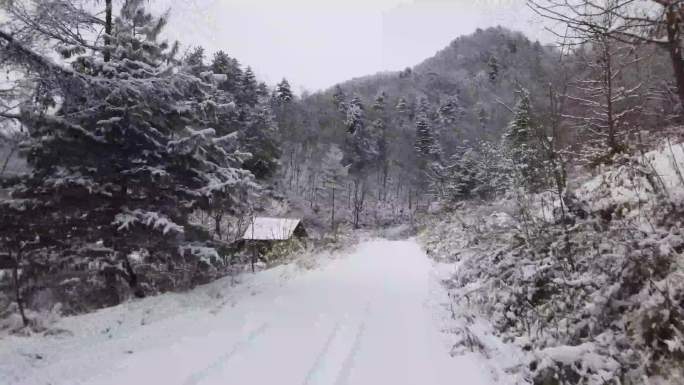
626,184
371,317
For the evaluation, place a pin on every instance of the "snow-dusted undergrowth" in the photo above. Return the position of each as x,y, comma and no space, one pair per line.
592,297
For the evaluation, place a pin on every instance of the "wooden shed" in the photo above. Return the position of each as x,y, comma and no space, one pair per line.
274,229
263,233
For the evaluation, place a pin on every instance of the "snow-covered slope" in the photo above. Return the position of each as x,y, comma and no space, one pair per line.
591,294
372,317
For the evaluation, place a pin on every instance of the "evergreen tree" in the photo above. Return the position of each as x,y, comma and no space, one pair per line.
427,146
284,92
450,111
194,60
520,142
225,65
127,157
402,106
339,99
221,63
428,149
259,139
248,88
355,115
519,131
493,72
424,110
262,90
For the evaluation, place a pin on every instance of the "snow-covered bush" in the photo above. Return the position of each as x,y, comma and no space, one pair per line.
595,296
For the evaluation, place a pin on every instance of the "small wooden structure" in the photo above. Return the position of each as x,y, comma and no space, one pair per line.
264,232
274,229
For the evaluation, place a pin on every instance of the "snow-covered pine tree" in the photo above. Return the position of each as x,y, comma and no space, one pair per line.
194,61
262,90
248,88
128,154
355,118
428,150
284,92
403,113
225,65
450,111
424,109
476,170
493,69
522,146
252,116
340,99
259,138
427,144
402,106
461,174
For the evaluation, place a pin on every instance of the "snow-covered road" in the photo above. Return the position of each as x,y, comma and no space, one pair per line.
367,319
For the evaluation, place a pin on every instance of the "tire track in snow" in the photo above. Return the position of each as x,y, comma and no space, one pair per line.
320,358
197,377
348,363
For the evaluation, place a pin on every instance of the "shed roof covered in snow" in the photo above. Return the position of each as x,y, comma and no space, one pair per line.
271,229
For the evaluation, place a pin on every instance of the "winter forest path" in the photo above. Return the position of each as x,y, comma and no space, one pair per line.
370,318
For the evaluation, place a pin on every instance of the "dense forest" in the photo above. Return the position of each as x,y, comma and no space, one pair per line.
132,166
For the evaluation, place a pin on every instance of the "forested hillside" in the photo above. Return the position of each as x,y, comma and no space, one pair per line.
434,131
457,100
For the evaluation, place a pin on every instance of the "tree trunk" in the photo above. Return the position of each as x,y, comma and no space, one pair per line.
356,205
332,215
608,85
17,291
108,30
410,196
254,257
5,163
674,49
385,175
217,224
132,279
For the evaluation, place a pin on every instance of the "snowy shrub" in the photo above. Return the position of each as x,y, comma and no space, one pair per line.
284,249
596,296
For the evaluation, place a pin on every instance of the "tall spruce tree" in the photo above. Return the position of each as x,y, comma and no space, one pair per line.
248,88
427,144
225,65
284,92
122,162
520,142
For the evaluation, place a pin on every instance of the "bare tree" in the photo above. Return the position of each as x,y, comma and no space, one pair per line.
633,22
606,100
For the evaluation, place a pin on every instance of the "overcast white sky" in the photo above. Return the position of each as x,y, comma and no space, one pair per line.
318,43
